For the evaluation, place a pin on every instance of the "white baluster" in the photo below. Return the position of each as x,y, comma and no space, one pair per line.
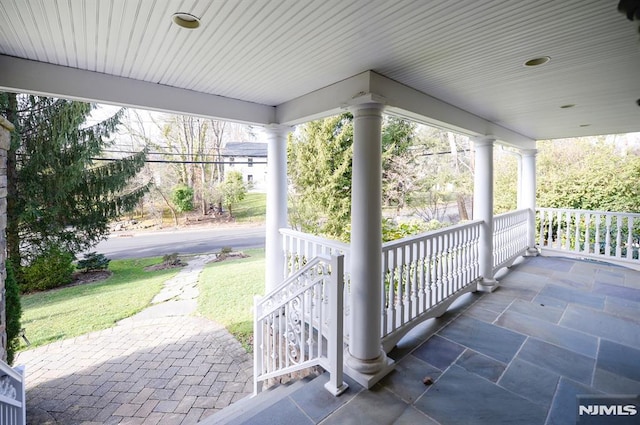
596,247
607,248
619,237
629,237
587,236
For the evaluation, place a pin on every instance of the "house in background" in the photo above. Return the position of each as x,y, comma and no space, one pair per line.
249,158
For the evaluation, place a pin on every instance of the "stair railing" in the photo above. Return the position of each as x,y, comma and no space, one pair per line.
13,409
300,324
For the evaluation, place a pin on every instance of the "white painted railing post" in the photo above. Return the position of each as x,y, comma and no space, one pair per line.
258,352
335,350
483,209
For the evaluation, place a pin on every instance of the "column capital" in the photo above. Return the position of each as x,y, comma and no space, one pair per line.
277,129
528,152
366,101
483,140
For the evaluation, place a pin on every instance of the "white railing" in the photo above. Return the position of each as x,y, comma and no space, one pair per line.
510,232
300,324
422,275
428,271
299,247
610,236
12,395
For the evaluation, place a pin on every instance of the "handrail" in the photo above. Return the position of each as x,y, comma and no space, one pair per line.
616,213
423,274
408,239
510,232
605,235
300,324
12,395
317,239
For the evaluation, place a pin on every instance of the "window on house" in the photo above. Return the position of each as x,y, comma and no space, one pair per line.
231,161
250,162
250,178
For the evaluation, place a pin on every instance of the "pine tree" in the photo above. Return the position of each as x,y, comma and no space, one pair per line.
63,197
320,160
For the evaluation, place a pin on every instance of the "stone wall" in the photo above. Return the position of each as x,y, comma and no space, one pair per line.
5,139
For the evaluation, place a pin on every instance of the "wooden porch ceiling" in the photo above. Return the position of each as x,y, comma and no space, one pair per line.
454,64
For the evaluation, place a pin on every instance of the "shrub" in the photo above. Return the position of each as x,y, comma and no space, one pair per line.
49,270
183,198
13,312
93,261
392,231
171,259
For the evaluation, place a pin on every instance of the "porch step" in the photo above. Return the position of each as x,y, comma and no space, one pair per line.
246,408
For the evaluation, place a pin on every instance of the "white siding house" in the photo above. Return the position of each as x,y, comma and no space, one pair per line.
251,160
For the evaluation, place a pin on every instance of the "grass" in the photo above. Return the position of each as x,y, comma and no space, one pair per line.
253,208
68,312
226,293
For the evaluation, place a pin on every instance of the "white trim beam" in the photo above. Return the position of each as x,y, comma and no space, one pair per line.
328,101
27,76
399,100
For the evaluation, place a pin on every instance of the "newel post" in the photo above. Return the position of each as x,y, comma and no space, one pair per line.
336,385
483,209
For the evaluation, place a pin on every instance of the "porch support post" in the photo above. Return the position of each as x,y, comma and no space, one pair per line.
276,204
483,209
528,196
366,362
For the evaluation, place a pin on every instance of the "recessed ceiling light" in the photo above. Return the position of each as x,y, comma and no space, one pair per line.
186,20
537,61
567,106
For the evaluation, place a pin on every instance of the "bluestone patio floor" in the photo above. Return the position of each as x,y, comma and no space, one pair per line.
555,328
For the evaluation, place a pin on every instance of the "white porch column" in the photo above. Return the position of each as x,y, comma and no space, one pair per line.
483,209
528,195
276,204
366,362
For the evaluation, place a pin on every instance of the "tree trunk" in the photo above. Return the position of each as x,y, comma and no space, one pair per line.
462,207
173,210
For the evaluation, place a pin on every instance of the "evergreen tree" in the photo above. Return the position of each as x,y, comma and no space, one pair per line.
13,313
62,196
320,161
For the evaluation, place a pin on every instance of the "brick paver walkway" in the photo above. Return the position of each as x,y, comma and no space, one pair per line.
159,367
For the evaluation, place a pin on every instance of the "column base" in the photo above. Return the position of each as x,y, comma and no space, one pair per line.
367,372
336,391
532,252
488,285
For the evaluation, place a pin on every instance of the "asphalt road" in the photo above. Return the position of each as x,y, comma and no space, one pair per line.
193,241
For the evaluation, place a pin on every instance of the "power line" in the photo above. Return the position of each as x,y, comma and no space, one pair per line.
442,153
166,161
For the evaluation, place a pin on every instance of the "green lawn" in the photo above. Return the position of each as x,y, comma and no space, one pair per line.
252,208
226,293
68,312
